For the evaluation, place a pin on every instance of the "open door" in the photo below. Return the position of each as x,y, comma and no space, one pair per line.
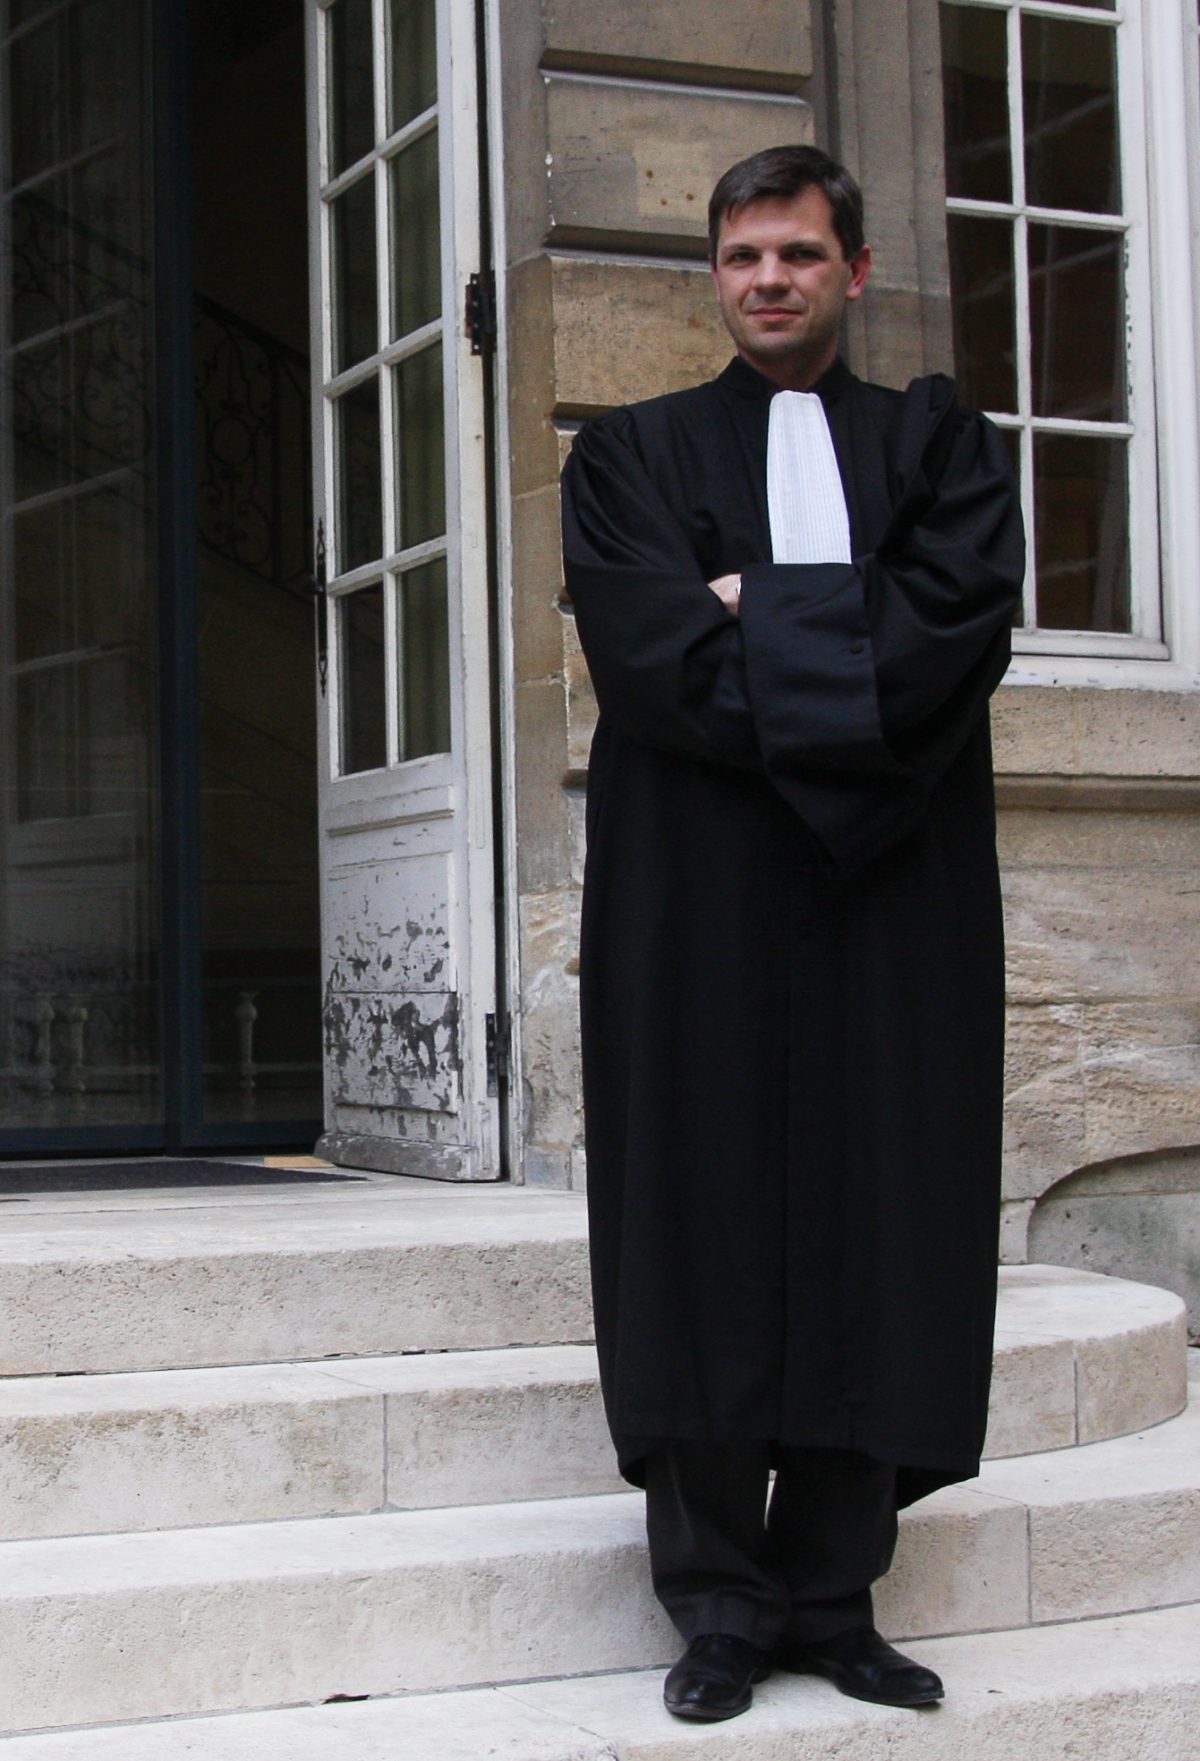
400,498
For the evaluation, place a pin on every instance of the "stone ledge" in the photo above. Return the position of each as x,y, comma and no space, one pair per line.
227,1619
1109,1689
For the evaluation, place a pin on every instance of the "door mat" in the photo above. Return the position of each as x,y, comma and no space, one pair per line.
29,1177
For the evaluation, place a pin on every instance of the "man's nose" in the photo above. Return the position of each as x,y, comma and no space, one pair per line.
771,271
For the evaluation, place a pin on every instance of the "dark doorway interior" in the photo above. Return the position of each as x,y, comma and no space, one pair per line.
159,969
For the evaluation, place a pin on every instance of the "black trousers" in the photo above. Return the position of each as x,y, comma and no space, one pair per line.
723,1560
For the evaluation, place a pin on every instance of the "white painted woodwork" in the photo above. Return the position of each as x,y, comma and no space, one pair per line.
408,911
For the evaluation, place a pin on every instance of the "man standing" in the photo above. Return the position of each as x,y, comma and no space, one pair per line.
794,591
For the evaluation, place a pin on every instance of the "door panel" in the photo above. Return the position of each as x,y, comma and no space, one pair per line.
406,809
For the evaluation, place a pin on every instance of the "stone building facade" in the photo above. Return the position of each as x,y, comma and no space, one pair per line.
614,132
1035,219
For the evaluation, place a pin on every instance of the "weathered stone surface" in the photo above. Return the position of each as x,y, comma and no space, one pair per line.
1142,1234
1101,935
1113,1527
624,332
533,438
1107,1689
961,1566
761,42
123,1289
133,1626
634,166
1014,1228
543,849
581,699
1033,1398
83,1455
886,99
1086,731
553,1120
537,584
1080,1358
490,1426
1044,1110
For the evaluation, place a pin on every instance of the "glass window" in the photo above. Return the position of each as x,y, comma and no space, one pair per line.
424,661
363,689
1039,292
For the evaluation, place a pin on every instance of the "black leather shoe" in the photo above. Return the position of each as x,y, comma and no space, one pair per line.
866,1667
714,1677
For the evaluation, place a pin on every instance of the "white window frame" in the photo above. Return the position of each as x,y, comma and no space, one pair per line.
1158,130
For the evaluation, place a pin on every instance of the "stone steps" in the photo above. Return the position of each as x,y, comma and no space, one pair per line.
1078,1358
100,1284
105,1628
1111,1690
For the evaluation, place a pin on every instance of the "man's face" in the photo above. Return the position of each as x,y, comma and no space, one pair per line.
782,283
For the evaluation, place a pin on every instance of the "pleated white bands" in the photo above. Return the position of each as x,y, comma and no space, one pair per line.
805,500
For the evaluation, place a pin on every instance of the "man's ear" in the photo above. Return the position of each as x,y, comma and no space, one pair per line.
860,269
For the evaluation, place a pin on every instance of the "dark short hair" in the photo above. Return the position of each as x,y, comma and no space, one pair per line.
788,171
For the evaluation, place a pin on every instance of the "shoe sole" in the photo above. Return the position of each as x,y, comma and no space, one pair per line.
852,1693
702,1715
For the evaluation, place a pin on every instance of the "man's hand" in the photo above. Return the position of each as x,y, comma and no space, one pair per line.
728,589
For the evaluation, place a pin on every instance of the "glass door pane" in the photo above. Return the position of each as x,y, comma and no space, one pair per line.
79,904
260,898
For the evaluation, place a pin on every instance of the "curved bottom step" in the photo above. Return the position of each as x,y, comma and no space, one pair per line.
1107,1689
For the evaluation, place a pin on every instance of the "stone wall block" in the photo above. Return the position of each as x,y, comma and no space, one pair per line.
633,166
543,848
1086,731
624,332
1044,1116
537,585
1085,934
581,698
550,1033
533,438
757,43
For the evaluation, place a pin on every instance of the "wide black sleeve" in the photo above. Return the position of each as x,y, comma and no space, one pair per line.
664,655
867,679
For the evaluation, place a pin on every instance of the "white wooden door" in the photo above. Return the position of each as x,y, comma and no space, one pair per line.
400,505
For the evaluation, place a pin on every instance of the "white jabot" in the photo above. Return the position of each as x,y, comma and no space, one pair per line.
805,499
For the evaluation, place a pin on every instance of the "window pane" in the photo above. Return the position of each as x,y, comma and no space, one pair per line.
424,639
1082,532
351,84
1077,322
1069,78
981,295
355,307
363,695
975,103
359,496
79,964
47,744
417,231
421,446
38,100
414,58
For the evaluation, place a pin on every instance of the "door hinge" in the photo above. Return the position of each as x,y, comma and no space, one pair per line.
321,601
481,312
497,1040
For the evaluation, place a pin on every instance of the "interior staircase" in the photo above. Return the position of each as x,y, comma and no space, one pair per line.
319,1474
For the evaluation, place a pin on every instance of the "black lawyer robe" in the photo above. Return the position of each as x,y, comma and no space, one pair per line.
791,952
